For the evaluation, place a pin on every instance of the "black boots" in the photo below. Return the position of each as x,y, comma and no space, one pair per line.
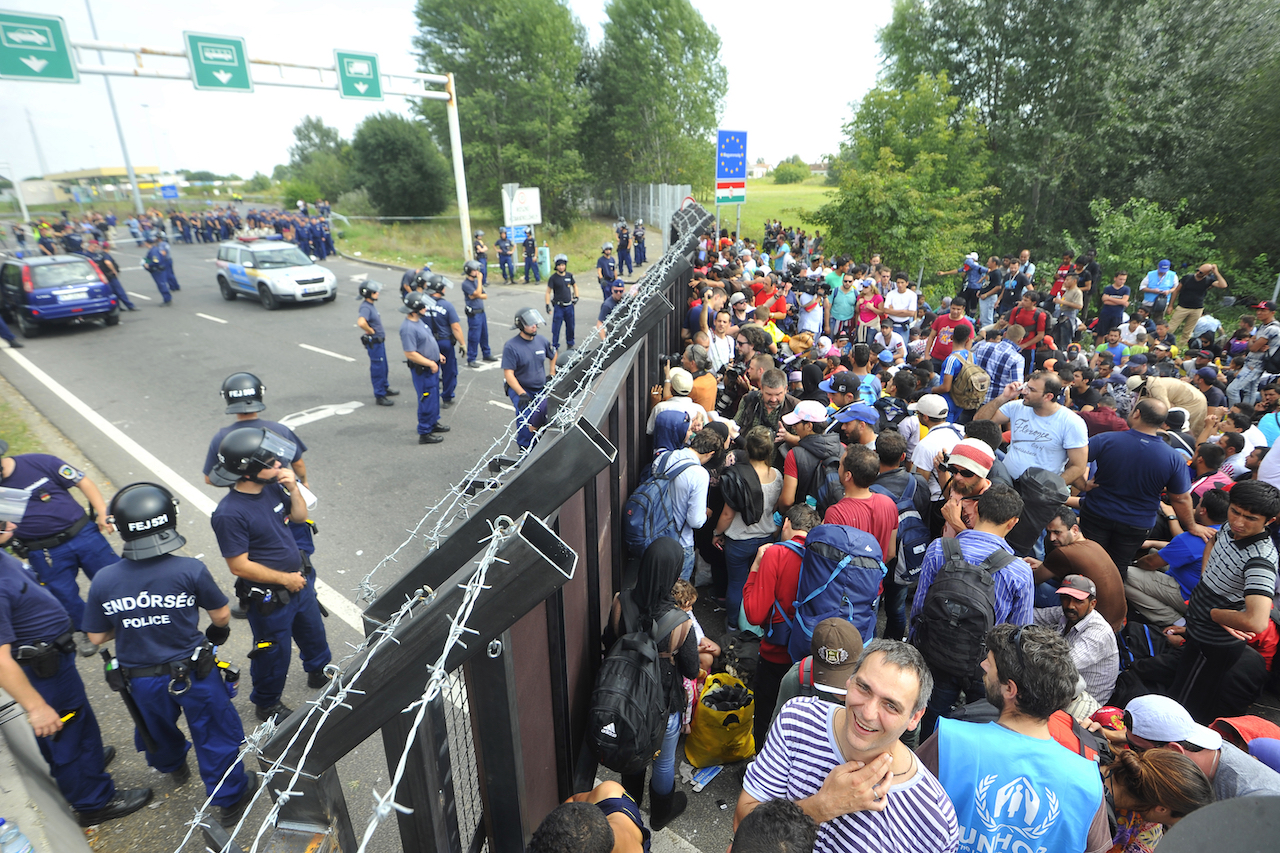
664,809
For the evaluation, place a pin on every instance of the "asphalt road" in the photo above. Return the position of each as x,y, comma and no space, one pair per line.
149,388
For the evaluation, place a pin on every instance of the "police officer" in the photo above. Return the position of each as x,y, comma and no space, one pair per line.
624,248
274,579
637,237
531,257
523,368
424,358
38,669
477,324
374,340
482,255
616,292
55,531
111,270
442,317
150,603
562,296
159,263
410,276
606,269
505,263
7,334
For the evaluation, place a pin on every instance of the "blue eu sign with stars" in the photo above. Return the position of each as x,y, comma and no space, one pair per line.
731,155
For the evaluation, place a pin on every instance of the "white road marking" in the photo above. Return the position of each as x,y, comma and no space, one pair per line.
210,317
326,352
337,603
319,413
502,404
364,276
138,295
487,365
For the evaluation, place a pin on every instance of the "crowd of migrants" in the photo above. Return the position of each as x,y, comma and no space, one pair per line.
998,573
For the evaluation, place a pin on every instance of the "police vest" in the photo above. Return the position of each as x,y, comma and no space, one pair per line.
1014,793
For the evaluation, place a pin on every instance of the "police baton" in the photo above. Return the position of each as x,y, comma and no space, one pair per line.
117,681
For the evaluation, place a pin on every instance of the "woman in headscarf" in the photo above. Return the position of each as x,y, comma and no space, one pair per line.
659,570
670,431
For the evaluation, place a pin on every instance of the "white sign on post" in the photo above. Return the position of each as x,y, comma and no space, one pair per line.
525,207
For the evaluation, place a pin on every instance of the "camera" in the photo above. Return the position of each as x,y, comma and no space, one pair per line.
811,286
670,360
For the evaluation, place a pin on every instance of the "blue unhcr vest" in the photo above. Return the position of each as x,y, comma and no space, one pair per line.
1013,793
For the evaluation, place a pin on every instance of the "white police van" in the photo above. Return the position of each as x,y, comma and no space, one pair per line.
274,272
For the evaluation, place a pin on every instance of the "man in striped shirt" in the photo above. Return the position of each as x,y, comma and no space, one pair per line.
1002,360
1232,602
848,769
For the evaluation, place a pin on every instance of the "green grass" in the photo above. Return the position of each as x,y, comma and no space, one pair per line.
767,200
13,429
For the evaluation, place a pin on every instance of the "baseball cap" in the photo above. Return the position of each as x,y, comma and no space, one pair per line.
1205,354
1138,359
1162,720
1208,374
836,647
1078,586
972,454
681,381
972,256
931,405
843,382
1135,382
1265,305
795,376
1164,264
885,356
806,410
858,411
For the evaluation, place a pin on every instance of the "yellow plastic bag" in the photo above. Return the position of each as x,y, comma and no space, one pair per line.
720,737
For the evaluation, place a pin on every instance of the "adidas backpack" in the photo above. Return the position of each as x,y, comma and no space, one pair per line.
648,514
959,611
840,575
627,717
913,533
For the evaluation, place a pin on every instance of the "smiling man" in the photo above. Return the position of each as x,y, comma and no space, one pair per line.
847,768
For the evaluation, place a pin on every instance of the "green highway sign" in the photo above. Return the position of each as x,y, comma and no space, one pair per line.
358,75
218,62
35,47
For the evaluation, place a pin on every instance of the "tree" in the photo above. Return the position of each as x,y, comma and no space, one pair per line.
787,172
656,86
292,190
257,184
280,172
321,157
312,137
515,65
398,162
1135,235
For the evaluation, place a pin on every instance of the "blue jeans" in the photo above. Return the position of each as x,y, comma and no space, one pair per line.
508,267
987,311
739,554
663,781
531,264
426,386
298,620
562,314
477,336
686,569
1046,595
378,368
75,756
1244,388
894,602
89,551
215,727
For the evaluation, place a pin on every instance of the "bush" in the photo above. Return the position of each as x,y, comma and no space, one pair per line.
790,173
291,191
356,203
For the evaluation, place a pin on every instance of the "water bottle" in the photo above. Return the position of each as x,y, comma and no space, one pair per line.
11,838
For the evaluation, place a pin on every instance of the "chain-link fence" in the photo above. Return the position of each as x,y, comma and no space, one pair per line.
654,203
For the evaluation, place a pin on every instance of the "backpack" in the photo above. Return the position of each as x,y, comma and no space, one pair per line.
969,387
959,610
913,533
627,717
779,633
648,513
893,411
867,389
1271,359
840,575
822,481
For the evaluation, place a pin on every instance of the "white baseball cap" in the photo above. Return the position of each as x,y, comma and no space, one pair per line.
1162,720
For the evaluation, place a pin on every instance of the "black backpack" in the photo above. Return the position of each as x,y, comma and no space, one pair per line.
821,481
628,713
959,611
1271,359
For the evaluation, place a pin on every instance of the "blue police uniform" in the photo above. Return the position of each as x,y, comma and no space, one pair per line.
327,235
255,525
160,265
317,239
608,266
505,263
376,347
477,323
483,257
6,333
61,537
562,308
531,259
607,307
637,236
416,337
117,288
301,532
441,315
302,236
624,250
527,359
30,614
154,606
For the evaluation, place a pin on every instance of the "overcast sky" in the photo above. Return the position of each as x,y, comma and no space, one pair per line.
779,79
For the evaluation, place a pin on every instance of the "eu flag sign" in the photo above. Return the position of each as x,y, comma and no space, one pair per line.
731,166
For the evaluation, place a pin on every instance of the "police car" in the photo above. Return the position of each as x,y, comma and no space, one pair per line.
274,272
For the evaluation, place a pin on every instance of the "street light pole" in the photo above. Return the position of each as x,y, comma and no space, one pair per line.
459,173
111,99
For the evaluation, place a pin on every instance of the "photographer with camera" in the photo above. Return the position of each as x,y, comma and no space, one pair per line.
811,304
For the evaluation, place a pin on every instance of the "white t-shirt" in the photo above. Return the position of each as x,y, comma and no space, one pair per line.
900,303
941,437
1129,338
895,344
809,321
720,352
1041,442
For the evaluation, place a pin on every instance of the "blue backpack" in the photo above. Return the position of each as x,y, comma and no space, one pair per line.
840,575
648,514
913,534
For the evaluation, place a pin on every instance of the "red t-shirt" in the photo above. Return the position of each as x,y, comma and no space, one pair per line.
1033,321
777,302
876,515
942,343
776,580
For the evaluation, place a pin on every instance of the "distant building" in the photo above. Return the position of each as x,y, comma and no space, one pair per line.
759,170
818,169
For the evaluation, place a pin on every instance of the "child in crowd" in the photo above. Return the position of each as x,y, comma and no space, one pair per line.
685,595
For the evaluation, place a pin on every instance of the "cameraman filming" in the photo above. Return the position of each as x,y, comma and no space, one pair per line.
746,371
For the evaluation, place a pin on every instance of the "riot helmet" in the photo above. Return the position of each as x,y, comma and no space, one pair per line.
606,247
368,288
13,502
479,233
472,266
146,516
436,283
528,318
413,301
243,393
246,452
561,259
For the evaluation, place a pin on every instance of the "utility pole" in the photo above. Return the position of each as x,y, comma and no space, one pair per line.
459,173
44,167
111,99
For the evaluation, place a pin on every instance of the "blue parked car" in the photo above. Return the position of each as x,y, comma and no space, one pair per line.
39,291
